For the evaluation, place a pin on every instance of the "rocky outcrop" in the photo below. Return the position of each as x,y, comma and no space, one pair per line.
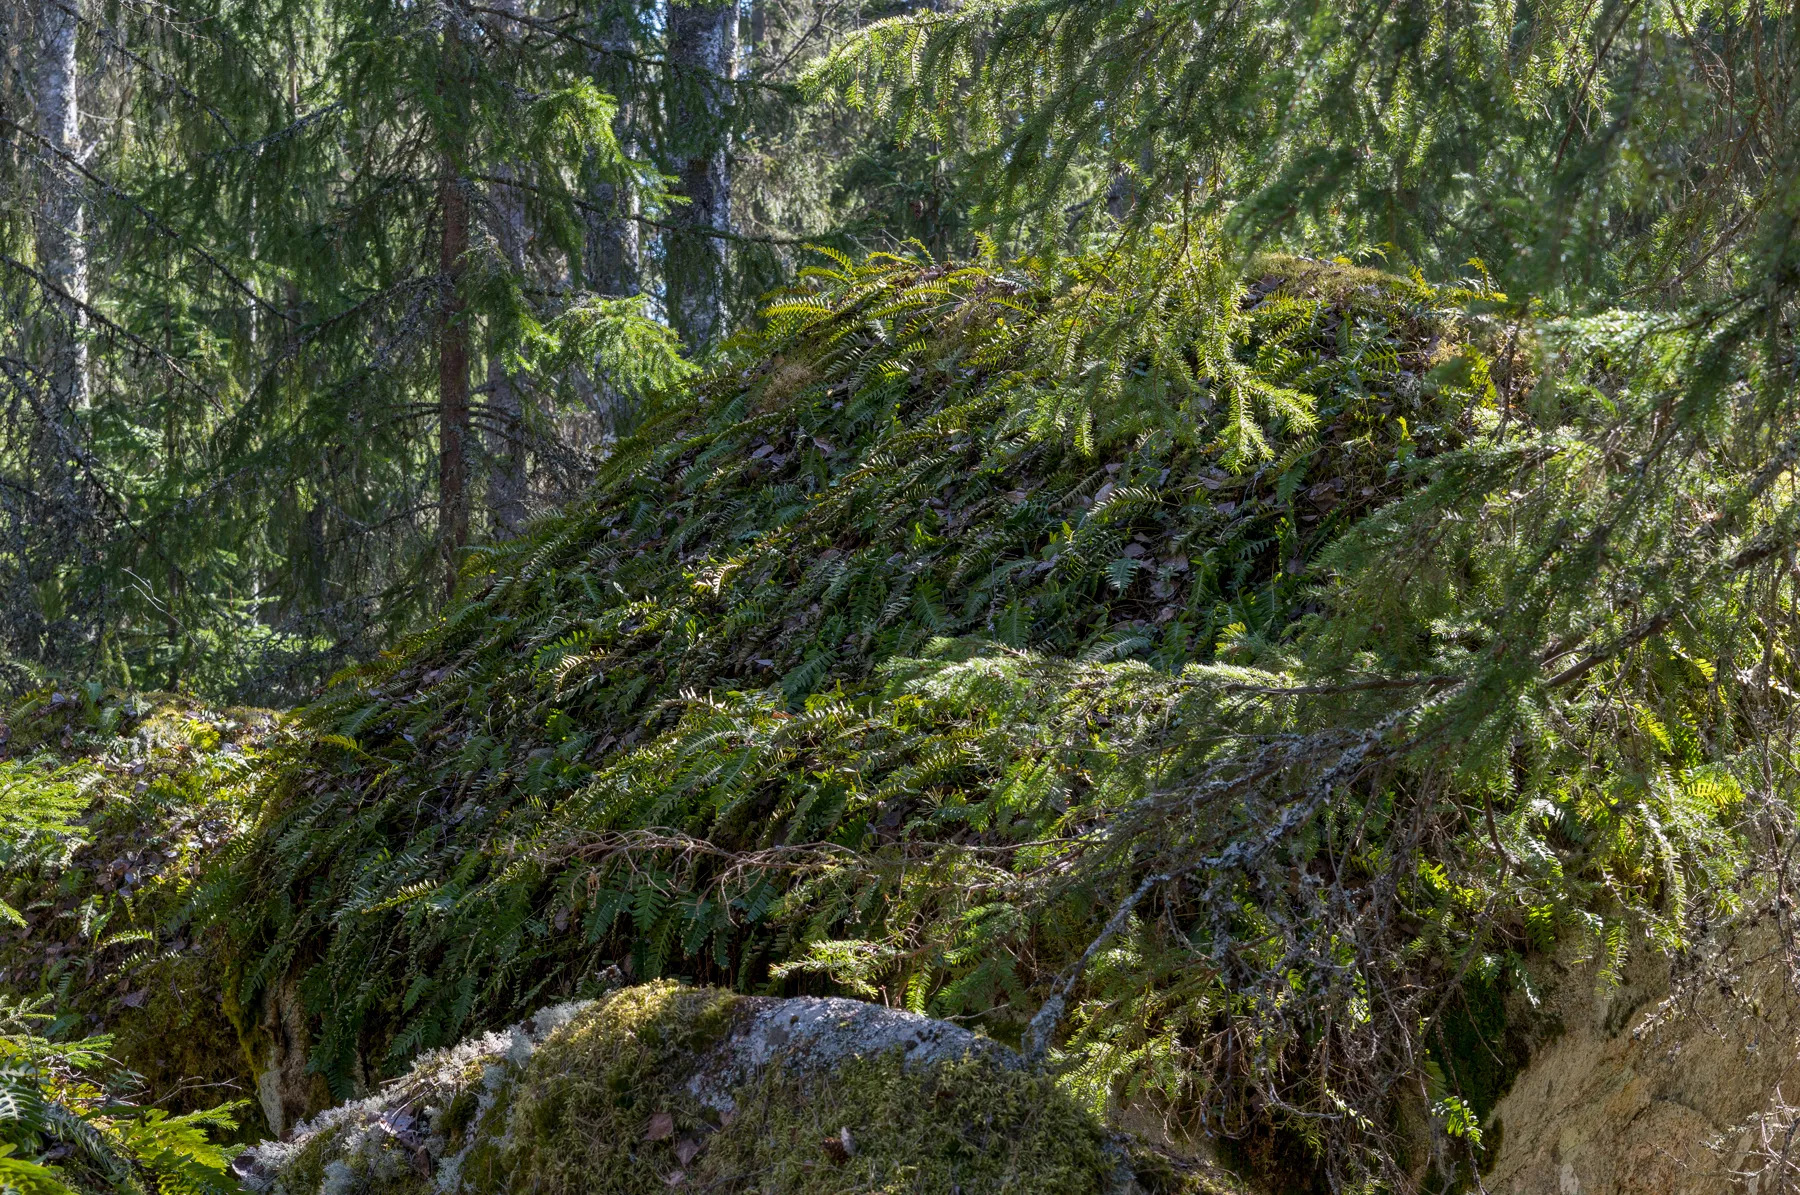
1654,1089
661,1087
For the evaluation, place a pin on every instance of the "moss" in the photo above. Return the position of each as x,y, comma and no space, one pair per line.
967,1125
605,1108
1479,1051
178,1040
607,1104
587,1107
305,1171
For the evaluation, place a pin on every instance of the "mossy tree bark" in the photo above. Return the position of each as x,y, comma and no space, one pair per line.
453,377
506,397
613,264
612,259
506,389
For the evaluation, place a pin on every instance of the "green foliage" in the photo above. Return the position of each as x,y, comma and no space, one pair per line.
933,651
113,806
1584,150
1217,673
65,1128
249,495
910,452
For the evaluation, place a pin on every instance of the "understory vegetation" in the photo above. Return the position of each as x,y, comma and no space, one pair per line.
118,1067
902,662
1229,546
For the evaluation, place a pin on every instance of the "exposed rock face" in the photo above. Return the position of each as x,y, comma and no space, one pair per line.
1648,1093
660,1088
285,1089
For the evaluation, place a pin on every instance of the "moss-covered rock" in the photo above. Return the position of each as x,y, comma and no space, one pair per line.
664,1087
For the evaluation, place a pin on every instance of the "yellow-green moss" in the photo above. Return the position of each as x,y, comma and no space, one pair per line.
650,1090
584,1106
965,1125
178,1040
604,1108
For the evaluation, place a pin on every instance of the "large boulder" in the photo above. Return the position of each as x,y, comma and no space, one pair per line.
662,1087
1647,1087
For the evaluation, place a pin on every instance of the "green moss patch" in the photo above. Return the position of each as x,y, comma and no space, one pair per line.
624,1099
606,1107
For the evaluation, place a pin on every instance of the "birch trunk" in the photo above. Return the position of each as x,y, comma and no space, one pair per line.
703,47
61,235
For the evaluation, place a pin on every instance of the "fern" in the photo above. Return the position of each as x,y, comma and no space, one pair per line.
1205,675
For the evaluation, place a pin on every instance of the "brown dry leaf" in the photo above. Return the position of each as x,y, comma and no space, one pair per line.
662,1125
686,1150
841,1148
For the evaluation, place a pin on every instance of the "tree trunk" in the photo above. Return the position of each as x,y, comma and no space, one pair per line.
703,56
453,375
613,256
506,401
61,237
613,264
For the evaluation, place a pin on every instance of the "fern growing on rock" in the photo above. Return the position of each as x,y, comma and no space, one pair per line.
1200,676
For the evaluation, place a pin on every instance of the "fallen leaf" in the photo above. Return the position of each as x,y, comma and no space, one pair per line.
686,1149
662,1126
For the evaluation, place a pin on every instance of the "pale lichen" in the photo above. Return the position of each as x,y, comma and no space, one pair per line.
664,1087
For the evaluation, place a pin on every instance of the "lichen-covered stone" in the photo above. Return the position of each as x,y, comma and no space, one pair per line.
662,1087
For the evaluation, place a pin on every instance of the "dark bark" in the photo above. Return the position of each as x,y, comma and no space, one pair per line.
703,45
506,396
453,375
613,261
